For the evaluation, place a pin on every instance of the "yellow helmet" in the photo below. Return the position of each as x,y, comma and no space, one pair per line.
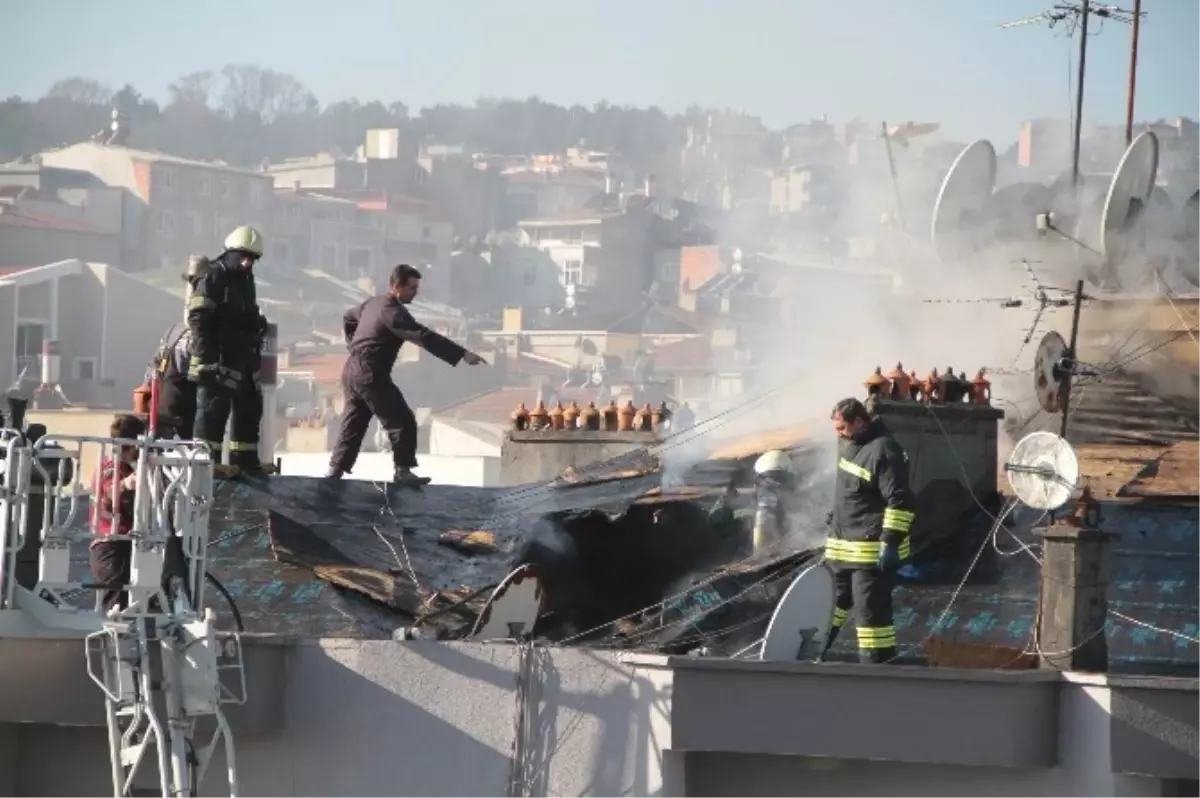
774,460
245,239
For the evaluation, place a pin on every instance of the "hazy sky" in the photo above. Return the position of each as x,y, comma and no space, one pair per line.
785,60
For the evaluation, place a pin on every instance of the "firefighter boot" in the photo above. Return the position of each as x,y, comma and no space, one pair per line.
406,477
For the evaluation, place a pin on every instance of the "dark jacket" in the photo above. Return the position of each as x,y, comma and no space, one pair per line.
371,331
872,501
223,317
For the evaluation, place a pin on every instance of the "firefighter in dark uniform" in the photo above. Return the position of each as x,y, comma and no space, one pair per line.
375,331
227,330
774,481
871,518
176,393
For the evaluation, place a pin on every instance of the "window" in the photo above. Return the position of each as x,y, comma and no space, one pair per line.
293,209
28,350
84,369
197,219
573,272
166,223
221,227
226,187
281,253
167,178
425,231
205,186
257,195
329,256
358,260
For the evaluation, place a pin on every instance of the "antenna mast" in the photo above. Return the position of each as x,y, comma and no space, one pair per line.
1078,14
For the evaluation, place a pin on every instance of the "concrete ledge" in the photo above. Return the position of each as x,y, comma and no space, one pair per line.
904,714
1153,729
46,681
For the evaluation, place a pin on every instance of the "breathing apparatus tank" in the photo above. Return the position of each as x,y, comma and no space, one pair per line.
773,481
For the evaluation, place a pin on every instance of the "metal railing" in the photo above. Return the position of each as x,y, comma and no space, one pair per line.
172,494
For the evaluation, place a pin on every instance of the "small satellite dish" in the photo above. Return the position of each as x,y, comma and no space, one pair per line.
1047,371
1043,470
1128,194
801,622
513,609
961,200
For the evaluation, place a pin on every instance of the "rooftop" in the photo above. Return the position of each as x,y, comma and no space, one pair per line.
151,156
16,216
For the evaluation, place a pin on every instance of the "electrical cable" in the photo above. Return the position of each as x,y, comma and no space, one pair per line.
233,607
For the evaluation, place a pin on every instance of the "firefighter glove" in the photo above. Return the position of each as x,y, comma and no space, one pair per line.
229,378
889,555
207,374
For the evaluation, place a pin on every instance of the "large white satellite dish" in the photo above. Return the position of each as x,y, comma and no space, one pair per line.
1043,470
1188,235
802,619
1128,194
513,609
964,195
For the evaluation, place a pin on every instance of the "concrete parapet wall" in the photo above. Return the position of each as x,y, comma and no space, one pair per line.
537,455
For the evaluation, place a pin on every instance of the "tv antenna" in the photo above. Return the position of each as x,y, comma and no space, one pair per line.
1077,14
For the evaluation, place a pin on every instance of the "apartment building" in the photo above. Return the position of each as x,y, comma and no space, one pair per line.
604,257
173,207
106,325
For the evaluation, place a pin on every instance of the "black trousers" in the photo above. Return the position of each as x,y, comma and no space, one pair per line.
177,408
366,397
112,560
213,406
868,592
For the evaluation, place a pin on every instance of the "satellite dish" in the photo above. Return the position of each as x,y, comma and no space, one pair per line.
801,622
964,194
1047,371
1128,194
1186,234
1043,470
513,609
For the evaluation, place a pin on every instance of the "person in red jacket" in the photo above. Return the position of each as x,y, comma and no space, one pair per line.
112,513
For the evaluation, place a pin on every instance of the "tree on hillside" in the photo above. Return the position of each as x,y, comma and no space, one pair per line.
243,113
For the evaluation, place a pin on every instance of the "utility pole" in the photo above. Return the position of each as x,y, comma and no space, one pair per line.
1137,20
887,145
1075,136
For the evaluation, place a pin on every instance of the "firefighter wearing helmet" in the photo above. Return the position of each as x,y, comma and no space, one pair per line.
774,481
227,331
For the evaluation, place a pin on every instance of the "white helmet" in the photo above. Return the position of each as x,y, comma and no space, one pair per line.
774,460
245,239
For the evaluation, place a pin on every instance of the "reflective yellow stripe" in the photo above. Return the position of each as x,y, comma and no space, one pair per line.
896,520
861,552
243,446
839,616
199,301
876,637
854,468
214,445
